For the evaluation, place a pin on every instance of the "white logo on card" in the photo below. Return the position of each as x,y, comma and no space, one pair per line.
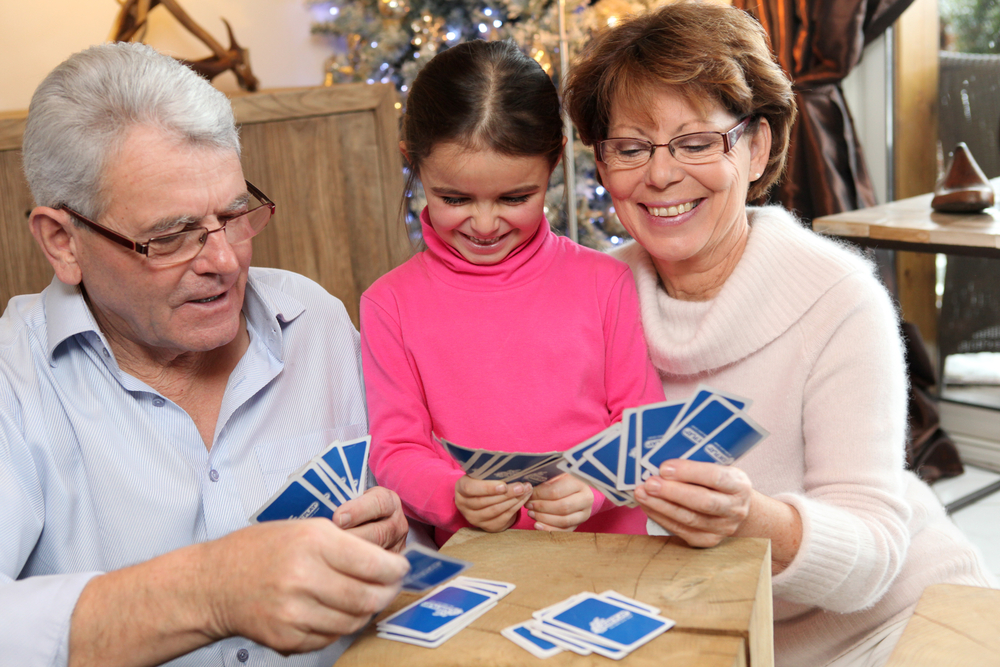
601,625
718,455
649,442
442,608
693,434
312,509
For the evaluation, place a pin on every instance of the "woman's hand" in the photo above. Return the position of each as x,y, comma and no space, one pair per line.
489,504
699,502
562,503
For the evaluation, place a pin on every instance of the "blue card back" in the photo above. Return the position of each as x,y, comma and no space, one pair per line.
295,502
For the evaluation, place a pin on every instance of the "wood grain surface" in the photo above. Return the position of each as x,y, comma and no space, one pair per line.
952,625
720,598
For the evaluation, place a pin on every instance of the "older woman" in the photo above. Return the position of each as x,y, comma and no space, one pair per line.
689,117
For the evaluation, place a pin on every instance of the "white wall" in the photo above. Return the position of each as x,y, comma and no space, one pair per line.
36,36
869,94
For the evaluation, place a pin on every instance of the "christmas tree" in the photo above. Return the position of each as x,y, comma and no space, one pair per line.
387,41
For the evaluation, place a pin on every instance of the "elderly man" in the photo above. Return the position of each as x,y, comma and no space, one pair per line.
159,390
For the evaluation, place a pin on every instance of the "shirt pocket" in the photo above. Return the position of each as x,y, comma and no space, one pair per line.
281,459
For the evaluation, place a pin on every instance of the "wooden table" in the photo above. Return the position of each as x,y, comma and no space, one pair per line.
911,224
720,599
953,625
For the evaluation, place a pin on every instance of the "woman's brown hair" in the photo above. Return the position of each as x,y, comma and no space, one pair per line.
703,51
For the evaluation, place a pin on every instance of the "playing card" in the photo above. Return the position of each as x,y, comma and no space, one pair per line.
294,500
730,441
433,615
429,568
515,466
498,588
322,485
608,622
536,646
615,596
691,433
355,456
566,643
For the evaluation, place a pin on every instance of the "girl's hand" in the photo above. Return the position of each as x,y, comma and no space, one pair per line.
489,504
562,503
701,503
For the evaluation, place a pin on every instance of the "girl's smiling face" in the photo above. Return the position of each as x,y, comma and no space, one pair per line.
690,218
482,203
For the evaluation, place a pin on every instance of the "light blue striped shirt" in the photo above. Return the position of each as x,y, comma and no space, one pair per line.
98,471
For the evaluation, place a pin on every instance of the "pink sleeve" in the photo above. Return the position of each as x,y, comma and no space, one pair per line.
403,455
630,377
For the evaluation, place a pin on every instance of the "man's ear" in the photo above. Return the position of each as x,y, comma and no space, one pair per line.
54,233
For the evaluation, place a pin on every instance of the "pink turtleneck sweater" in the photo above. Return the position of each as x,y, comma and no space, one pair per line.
532,354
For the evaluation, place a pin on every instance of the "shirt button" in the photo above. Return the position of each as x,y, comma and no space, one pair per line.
242,655
159,402
213,475
106,353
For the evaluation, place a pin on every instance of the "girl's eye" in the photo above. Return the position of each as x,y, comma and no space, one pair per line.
454,201
520,199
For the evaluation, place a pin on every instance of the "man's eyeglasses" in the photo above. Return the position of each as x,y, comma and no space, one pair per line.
697,148
183,246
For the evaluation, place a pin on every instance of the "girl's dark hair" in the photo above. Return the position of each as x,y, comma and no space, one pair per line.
483,95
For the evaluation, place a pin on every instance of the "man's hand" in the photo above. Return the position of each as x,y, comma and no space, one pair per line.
489,504
562,503
295,586
376,516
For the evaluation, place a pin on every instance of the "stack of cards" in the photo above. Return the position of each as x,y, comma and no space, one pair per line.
329,480
710,426
440,615
507,467
608,624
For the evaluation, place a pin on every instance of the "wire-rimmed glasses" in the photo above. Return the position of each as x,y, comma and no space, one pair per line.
696,148
183,246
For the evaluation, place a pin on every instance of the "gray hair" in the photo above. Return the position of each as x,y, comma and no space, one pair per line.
82,112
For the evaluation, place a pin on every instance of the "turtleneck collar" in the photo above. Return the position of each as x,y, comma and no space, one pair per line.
525,263
784,269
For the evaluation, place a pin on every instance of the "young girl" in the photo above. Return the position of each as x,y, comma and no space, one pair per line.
500,335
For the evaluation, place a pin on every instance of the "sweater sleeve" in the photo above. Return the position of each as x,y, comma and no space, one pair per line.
853,507
630,377
403,455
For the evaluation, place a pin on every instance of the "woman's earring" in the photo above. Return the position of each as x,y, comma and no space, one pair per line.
756,176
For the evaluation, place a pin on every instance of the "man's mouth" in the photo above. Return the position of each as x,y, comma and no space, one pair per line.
207,300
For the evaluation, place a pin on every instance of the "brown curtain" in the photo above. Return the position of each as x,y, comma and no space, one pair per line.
818,42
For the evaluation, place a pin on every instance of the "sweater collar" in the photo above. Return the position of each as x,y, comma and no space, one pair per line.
784,269
515,269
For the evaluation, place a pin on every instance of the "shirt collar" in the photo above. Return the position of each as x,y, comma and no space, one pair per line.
266,308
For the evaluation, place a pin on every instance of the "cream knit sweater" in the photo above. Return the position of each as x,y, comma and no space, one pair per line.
804,329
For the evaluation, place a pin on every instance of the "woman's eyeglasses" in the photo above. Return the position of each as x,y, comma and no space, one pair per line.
697,148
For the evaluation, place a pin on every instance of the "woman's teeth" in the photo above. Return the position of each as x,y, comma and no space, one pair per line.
670,211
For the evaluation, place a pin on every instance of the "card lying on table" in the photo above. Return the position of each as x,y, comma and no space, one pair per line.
445,611
609,624
329,480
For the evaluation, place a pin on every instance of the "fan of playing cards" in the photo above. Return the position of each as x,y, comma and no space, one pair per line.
710,426
329,480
